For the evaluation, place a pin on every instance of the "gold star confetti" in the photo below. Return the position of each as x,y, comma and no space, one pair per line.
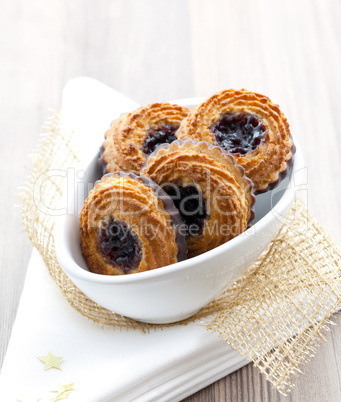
64,390
51,361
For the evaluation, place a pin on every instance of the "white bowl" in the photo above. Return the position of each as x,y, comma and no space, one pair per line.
177,291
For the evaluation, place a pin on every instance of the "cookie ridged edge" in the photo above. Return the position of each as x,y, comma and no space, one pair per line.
168,205
222,151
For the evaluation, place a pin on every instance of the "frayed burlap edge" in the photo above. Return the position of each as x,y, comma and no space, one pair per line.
275,315
281,311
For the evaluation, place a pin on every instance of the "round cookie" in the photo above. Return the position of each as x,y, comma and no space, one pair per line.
213,195
248,126
128,225
134,136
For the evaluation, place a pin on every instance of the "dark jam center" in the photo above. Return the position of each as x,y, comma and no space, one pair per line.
239,133
159,134
119,245
191,205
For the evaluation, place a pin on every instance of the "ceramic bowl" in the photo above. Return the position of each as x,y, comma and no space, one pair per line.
177,291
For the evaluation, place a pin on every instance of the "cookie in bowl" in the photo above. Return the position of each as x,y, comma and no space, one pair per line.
134,136
176,291
129,225
212,193
248,126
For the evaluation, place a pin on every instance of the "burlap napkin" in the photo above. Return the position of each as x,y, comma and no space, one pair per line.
275,315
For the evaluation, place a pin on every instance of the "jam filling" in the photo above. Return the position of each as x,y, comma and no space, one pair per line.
239,133
159,134
119,245
191,206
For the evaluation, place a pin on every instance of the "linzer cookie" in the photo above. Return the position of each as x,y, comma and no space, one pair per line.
128,225
248,126
211,192
134,136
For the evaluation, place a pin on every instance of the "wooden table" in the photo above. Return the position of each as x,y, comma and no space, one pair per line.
161,50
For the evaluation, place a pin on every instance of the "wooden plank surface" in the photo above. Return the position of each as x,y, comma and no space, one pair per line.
156,50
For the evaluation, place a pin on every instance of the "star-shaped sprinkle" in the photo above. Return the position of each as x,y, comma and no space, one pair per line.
51,361
64,390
